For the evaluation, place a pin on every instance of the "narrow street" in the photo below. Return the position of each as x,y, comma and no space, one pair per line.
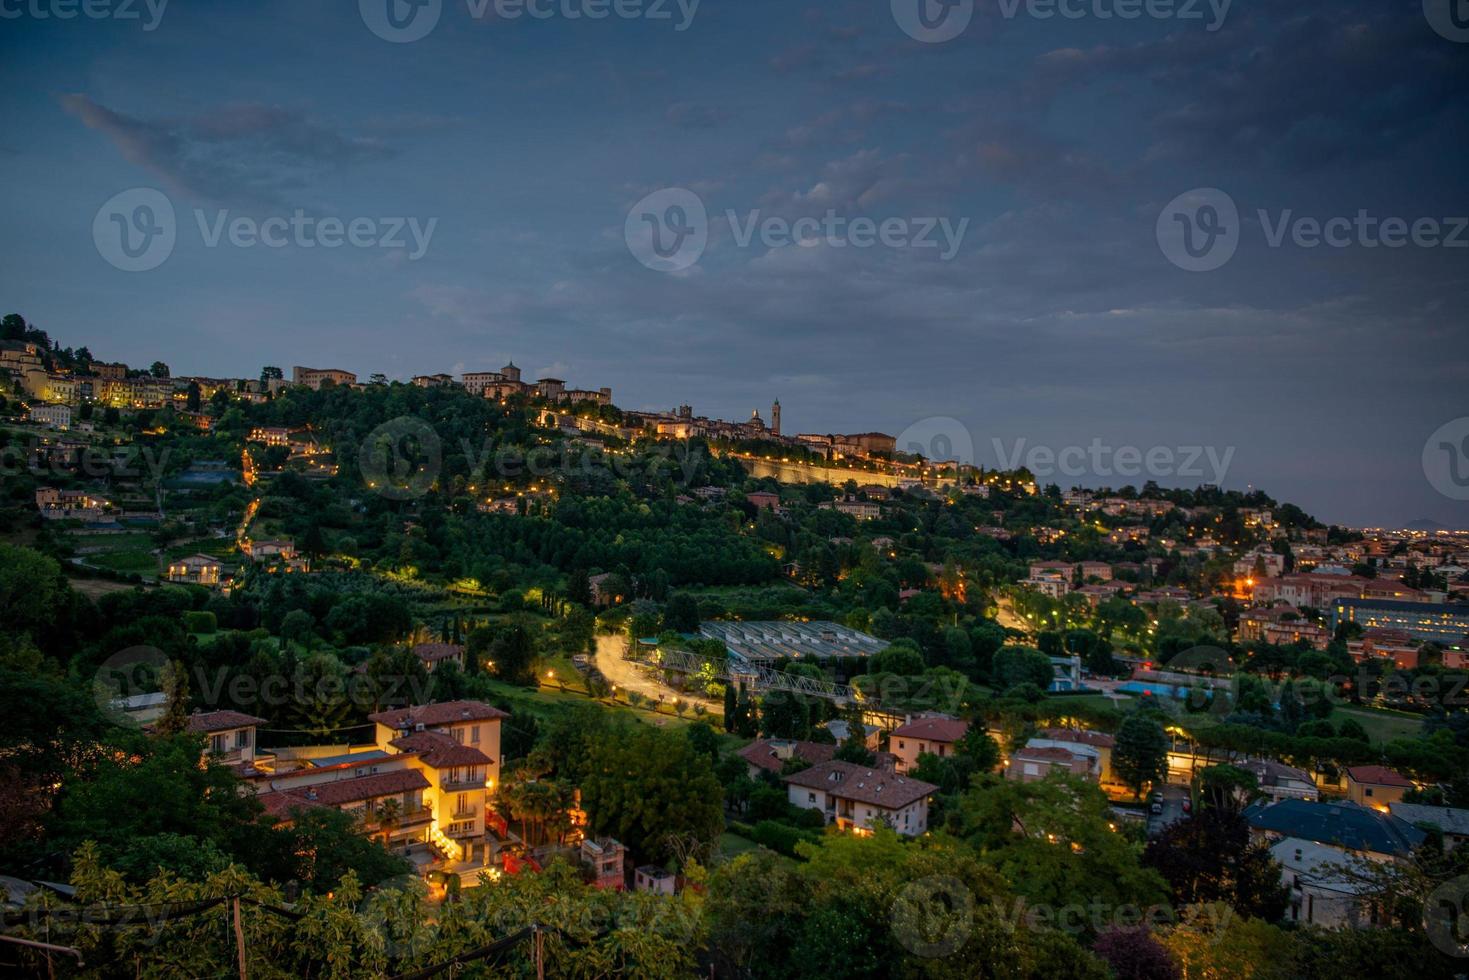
626,676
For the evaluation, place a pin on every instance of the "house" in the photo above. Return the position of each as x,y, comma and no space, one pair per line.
1280,781
1035,762
604,859
771,755
763,500
456,745
1378,642
195,569
314,378
1321,894
936,736
862,510
1067,738
1373,834
654,880
271,435
600,595
1376,786
858,798
841,730
229,736
1452,823
433,654
283,548
51,416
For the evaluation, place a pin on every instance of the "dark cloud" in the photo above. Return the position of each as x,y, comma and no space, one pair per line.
246,154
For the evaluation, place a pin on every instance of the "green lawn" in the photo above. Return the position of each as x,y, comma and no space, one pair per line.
1381,725
125,561
733,845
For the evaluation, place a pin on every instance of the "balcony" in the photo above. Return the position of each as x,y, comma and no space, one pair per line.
461,782
464,813
407,818
465,829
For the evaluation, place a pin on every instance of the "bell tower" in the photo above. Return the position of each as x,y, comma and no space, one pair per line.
775,418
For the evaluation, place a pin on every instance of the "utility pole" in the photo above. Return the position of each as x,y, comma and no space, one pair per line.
239,936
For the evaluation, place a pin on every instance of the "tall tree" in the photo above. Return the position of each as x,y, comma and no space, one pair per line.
1140,755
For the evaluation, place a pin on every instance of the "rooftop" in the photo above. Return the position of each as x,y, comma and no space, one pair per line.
435,715
1343,824
934,729
853,782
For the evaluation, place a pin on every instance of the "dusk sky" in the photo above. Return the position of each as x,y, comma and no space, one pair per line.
1055,144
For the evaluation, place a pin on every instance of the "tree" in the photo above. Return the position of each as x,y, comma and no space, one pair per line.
1140,755
704,739
1014,666
645,786
158,369
681,614
271,373
1210,857
1133,953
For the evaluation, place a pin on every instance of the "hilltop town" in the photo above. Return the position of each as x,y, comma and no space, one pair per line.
422,668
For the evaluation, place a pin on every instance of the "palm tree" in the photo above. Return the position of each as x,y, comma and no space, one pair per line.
389,817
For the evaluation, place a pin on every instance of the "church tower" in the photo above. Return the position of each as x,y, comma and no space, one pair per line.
775,418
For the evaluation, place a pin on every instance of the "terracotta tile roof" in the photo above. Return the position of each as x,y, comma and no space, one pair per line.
435,715
1378,776
339,792
440,751
218,721
434,652
934,729
762,753
865,785
1100,740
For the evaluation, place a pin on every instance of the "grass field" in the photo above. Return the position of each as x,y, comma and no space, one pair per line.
1380,725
